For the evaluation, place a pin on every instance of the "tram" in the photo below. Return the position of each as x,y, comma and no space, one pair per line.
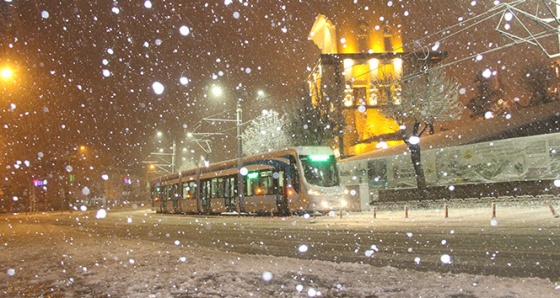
291,181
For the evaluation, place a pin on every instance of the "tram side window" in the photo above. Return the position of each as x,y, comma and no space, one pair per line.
263,183
189,190
221,188
167,193
266,183
217,188
206,189
229,187
172,192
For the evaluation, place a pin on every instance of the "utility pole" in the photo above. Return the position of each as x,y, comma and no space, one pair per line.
240,184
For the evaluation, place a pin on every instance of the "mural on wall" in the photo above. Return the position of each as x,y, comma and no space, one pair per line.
517,159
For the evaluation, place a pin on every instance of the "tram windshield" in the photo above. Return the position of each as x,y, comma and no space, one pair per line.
320,170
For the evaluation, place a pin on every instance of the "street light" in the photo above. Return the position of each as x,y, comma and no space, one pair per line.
240,181
6,73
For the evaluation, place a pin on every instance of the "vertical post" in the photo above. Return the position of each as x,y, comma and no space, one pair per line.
374,212
557,16
552,209
174,149
240,186
493,210
405,211
199,206
446,211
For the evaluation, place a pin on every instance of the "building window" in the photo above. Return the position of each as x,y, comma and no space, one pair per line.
397,95
363,29
355,97
348,97
388,39
373,95
360,96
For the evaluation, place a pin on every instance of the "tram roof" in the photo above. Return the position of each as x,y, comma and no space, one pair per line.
537,120
232,163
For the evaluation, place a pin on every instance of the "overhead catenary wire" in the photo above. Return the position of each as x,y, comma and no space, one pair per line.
473,22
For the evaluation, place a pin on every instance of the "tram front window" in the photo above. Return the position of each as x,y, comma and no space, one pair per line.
320,170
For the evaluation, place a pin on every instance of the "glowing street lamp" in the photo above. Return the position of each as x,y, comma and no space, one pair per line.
218,91
6,73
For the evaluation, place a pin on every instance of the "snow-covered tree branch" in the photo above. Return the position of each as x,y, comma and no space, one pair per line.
265,134
425,100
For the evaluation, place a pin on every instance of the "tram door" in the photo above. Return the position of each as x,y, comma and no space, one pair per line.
280,191
230,193
205,195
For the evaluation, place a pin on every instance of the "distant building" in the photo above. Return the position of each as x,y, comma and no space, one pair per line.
362,59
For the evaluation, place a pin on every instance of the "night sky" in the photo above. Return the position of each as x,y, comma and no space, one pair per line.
85,70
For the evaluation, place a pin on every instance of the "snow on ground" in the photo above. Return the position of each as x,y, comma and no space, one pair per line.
58,261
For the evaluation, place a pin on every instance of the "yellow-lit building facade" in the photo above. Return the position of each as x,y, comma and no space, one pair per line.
362,59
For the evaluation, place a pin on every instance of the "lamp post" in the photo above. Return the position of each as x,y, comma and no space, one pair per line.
240,184
217,91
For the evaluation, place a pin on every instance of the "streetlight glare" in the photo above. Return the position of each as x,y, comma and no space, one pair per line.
217,91
6,73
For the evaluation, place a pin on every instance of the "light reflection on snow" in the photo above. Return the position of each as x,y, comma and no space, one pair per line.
312,292
267,276
101,213
445,259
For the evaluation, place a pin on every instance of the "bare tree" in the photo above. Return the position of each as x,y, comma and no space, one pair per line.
309,122
265,134
541,81
425,100
488,97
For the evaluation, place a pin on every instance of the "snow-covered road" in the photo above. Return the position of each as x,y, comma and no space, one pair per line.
136,253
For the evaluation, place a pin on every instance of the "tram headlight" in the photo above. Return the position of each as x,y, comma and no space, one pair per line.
314,192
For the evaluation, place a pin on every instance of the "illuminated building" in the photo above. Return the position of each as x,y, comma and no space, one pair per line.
362,60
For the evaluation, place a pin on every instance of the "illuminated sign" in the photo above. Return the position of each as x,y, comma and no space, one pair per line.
319,158
253,175
40,182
